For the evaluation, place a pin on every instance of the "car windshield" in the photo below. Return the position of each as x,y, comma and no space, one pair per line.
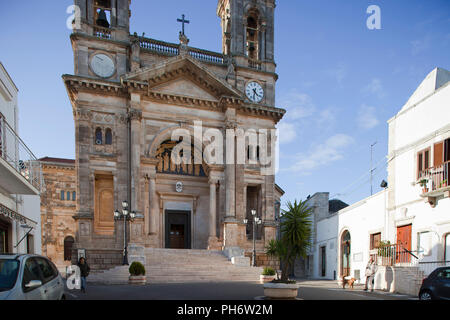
8,273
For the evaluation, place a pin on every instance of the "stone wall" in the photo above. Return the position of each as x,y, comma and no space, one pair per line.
263,260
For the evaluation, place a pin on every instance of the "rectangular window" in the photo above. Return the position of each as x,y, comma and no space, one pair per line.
423,162
375,240
447,150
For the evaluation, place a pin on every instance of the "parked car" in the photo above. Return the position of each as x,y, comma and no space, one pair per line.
436,286
29,277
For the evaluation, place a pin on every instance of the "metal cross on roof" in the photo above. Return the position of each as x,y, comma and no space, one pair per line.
183,21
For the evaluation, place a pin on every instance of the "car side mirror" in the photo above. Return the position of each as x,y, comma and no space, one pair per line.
33,284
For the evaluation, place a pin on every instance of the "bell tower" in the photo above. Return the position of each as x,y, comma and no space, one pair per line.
248,29
100,44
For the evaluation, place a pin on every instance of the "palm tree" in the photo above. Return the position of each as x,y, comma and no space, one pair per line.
295,236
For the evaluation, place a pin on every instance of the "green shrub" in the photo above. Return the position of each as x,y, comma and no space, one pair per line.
268,271
137,269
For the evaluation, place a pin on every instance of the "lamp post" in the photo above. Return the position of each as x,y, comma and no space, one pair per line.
256,221
126,216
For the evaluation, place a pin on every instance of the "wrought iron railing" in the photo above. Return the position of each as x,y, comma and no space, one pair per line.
16,153
435,178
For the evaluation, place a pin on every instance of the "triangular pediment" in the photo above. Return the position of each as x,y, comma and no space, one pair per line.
185,87
184,76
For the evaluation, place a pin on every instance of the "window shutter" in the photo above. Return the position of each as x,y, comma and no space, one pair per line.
438,154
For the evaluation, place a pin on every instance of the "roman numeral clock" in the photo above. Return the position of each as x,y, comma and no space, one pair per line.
254,92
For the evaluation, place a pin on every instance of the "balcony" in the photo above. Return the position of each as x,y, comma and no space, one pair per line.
20,171
435,182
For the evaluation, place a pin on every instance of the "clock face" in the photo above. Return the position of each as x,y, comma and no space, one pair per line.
102,65
254,91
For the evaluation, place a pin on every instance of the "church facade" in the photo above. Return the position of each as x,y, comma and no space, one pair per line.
184,135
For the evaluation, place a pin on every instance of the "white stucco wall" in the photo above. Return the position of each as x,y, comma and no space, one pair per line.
361,219
27,206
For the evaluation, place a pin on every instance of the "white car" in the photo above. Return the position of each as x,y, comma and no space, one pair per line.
29,277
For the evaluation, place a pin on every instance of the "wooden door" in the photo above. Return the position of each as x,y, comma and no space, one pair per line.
176,238
403,242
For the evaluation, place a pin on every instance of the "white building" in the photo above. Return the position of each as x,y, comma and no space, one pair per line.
20,179
415,220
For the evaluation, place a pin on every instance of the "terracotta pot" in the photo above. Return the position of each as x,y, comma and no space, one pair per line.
266,279
281,291
425,190
137,280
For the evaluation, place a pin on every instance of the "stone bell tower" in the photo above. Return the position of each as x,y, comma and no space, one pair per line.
248,28
248,42
104,29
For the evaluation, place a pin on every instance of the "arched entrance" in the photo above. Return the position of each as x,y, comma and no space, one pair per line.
345,253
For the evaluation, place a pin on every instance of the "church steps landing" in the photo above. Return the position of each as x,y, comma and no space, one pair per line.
178,266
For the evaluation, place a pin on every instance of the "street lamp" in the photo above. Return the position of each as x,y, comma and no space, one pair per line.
126,216
256,221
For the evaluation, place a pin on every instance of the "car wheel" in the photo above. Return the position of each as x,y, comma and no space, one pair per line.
425,295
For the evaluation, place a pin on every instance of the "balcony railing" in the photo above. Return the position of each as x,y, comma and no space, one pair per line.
397,255
103,33
254,64
435,178
172,49
15,152
157,46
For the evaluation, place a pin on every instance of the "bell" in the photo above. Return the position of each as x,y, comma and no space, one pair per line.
101,20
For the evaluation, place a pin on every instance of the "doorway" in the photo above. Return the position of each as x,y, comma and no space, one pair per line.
4,235
345,254
403,242
178,229
323,261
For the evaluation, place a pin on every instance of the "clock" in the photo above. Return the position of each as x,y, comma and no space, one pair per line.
102,65
179,187
254,91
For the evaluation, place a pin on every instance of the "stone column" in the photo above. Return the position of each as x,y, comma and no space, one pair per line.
212,209
153,204
135,116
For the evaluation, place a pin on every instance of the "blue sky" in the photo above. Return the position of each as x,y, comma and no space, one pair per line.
339,81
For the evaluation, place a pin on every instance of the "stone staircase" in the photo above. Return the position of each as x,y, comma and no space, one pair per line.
179,266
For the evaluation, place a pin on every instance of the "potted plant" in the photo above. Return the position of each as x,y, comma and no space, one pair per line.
385,253
295,241
137,273
267,275
423,184
444,183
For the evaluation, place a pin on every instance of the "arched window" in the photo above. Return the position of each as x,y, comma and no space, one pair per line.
166,165
62,195
252,36
74,196
108,137
68,244
68,195
98,136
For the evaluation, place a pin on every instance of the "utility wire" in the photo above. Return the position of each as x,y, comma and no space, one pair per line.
365,176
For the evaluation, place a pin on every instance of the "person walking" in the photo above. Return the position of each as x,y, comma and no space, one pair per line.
84,272
371,269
